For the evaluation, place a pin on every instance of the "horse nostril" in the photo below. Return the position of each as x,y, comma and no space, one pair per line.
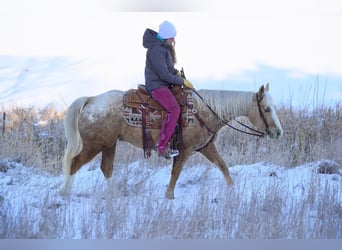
278,132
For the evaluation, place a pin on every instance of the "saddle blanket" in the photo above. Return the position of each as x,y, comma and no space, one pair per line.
136,100
133,117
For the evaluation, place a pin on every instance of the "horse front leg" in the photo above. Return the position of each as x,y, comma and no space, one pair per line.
177,166
211,153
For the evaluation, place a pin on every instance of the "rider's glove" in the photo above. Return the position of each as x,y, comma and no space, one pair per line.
188,84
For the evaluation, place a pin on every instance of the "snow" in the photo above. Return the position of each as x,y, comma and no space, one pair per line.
29,197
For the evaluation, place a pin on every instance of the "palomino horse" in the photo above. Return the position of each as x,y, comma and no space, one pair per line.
95,124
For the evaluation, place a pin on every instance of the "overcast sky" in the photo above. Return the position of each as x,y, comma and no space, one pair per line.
219,43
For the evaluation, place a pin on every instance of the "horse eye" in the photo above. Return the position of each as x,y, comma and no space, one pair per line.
267,109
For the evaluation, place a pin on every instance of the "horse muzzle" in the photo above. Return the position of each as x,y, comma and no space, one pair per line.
274,133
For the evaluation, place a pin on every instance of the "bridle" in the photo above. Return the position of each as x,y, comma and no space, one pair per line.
267,126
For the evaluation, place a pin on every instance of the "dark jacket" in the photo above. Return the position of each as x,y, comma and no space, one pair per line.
159,68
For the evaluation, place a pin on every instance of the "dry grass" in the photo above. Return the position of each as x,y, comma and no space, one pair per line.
34,137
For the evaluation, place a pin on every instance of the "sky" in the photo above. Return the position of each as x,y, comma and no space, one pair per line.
293,45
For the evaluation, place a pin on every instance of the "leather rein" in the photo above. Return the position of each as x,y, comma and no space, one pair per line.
253,132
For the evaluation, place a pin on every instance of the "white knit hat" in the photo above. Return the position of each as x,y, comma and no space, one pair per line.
167,30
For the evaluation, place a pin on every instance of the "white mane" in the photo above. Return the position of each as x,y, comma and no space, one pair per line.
227,104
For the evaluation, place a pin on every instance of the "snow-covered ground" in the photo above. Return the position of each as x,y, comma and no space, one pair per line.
266,201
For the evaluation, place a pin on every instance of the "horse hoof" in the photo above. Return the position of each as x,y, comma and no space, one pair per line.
169,196
229,181
63,192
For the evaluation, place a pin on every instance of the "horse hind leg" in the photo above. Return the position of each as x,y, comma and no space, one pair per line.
73,165
107,164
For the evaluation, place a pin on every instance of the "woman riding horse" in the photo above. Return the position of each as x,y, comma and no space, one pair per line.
159,75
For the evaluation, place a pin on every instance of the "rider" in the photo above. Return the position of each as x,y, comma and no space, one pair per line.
159,75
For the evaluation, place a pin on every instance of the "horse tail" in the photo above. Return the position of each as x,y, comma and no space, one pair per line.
72,134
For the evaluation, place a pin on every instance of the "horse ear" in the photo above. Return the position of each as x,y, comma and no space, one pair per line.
267,88
261,90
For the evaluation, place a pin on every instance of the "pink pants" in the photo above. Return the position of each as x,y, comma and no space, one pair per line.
167,100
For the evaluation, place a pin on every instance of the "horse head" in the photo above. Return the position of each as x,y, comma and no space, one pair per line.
263,114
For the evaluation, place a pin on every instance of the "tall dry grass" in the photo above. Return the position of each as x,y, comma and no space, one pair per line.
34,137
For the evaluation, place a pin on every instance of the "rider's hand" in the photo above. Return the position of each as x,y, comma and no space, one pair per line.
188,84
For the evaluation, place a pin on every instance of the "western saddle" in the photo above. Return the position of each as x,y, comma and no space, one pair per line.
141,110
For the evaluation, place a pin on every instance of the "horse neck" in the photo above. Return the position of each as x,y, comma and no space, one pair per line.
229,105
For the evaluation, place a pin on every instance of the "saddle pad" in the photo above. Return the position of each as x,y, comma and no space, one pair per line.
135,99
133,117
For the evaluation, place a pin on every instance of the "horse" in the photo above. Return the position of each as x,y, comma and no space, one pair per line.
95,124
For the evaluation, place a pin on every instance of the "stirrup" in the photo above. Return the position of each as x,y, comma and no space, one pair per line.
173,153
169,153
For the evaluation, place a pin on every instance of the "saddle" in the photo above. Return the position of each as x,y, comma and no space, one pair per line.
141,110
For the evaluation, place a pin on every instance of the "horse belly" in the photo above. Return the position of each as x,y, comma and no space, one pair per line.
133,135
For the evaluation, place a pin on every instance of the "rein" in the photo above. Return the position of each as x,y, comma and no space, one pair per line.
254,131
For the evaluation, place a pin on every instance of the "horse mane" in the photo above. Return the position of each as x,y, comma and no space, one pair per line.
227,104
